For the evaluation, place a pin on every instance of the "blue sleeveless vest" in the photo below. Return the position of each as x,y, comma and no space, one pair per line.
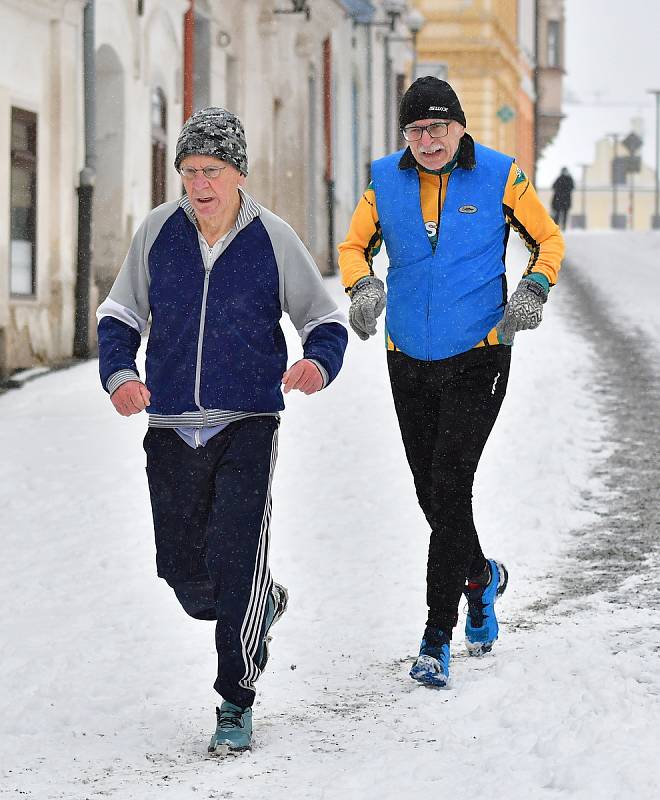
443,303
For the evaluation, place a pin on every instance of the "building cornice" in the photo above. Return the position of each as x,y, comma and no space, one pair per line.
47,9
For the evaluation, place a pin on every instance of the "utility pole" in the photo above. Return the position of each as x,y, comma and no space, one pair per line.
617,221
655,219
580,220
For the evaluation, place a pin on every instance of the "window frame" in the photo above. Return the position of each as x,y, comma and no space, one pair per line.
158,148
25,159
554,44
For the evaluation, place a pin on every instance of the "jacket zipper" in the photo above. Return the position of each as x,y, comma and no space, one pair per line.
430,292
202,319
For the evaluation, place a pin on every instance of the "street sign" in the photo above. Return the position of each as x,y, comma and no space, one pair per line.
622,166
505,113
632,143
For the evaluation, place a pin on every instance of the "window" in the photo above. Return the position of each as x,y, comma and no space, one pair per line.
158,148
23,215
554,43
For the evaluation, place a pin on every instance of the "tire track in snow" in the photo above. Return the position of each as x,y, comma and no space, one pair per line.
619,554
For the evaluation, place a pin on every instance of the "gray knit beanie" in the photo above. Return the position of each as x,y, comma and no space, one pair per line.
213,132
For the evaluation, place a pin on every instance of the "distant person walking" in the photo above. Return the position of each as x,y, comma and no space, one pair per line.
562,191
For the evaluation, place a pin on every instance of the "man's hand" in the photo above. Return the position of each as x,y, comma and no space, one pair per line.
304,376
130,398
367,303
523,311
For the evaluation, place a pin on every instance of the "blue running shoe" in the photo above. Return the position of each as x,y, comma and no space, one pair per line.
432,664
276,604
233,732
481,626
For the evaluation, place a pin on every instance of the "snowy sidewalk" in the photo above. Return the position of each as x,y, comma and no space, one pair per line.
106,684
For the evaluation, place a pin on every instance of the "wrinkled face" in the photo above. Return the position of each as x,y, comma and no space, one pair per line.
434,153
210,196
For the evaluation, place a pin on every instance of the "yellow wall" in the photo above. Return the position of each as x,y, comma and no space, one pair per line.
479,44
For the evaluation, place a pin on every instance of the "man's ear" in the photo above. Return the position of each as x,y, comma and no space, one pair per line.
241,180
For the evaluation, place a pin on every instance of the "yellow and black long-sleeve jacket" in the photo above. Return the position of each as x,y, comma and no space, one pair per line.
466,212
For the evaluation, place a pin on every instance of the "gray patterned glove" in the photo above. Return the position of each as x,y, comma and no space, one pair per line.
523,311
367,303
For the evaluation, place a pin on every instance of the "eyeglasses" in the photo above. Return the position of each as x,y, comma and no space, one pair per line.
436,131
209,172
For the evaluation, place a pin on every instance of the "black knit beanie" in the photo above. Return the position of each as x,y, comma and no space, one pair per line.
430,98
213,132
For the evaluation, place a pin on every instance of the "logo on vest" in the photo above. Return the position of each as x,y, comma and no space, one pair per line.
468,209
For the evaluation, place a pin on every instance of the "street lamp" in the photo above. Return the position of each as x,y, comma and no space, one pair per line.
394,9
297,7
415,22
655,219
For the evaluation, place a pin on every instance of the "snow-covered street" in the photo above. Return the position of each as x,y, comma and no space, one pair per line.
106,685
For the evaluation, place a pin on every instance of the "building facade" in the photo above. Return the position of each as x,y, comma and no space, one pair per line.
550,70
40,144
477,43
505,60
316,83
309,79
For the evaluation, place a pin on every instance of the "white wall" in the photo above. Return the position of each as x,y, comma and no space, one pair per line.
40,73
261,64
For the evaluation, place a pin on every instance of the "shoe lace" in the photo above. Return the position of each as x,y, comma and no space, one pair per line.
475,605
434,645
230,718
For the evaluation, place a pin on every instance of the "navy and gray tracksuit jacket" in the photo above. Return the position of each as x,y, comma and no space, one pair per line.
216,350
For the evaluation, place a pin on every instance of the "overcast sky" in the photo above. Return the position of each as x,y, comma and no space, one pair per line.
612,58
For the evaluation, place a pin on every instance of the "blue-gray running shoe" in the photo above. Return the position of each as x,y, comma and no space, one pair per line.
481,626
233,731
431,666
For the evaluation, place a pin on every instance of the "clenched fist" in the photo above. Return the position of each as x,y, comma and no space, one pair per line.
130,398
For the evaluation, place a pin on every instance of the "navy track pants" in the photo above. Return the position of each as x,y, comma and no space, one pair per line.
211,509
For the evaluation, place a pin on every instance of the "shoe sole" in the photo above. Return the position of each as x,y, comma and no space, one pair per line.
477,649
282,603
426,670
223,750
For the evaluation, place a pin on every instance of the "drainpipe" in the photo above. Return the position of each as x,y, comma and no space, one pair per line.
537,84
188,59
370,103
87,179
329,163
